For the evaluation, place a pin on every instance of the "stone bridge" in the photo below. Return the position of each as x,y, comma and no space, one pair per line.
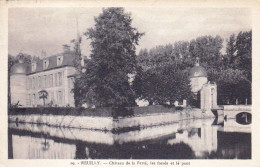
238,118
231,111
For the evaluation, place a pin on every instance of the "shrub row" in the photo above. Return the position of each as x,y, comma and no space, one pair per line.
102,112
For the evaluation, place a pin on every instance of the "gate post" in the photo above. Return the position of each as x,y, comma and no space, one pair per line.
208,97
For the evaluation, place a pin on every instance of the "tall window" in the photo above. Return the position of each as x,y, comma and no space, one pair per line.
71,82
56,79
30,83
28,101
51,95
59,60
42,82
45,81
51,80
39,82
27,84
33,67
33,83
33,100
60,98
45,64
60,78
48,81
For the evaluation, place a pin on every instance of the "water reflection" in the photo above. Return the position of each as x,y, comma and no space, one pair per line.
188,139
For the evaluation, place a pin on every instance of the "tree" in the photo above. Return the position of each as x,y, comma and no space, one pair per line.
143,59
231,50
146,84
43,94
77,53
181,49
77,64
208,49
163,84
244,53
232,71
113,57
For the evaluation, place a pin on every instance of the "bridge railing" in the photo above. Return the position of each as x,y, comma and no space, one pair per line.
237,107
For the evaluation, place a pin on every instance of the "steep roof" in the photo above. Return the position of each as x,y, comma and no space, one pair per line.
68,58
198,71
18,68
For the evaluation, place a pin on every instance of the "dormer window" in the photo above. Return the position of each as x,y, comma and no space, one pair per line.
33,66
45,64
59,60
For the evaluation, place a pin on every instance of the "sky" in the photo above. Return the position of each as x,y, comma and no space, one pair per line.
32,30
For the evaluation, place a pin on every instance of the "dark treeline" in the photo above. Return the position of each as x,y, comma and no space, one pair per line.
163,74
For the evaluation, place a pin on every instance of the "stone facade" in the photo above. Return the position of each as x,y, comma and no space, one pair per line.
197,83
56,82
18,89
54,74
198,77
208,97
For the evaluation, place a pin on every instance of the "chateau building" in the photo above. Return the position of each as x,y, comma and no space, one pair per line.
198,77
53,74
199,84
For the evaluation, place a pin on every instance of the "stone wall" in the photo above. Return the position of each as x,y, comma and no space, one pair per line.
108,123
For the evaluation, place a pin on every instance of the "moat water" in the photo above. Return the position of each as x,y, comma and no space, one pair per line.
188,139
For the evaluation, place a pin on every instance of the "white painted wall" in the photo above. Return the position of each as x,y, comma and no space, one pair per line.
18,89
68,97
208,97
197,83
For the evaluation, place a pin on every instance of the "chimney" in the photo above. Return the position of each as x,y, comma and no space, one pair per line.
66,48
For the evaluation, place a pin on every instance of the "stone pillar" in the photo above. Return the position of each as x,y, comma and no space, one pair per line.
208,97
214,92
184,103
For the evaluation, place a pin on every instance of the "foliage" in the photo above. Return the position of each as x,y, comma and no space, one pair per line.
235,78
43,94
162,85
77,53
231,71
113,42
207,48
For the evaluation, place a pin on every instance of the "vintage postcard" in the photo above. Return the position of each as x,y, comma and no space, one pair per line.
159,83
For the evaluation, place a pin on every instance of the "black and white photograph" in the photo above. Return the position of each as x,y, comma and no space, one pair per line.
129,83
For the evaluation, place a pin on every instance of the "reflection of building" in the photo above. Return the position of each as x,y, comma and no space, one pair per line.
34,148
188,139
202,140
53,74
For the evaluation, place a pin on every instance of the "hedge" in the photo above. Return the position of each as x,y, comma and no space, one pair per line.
101,112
